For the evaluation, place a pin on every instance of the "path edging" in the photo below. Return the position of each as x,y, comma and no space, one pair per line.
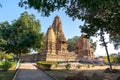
45,72
16,72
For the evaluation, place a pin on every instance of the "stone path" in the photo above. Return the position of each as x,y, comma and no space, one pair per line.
28,71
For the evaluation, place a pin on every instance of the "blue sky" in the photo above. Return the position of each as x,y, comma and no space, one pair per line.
10,11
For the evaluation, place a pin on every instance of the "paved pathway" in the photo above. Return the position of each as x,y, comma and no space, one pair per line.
28,71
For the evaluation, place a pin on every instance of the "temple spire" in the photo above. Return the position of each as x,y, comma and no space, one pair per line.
57,25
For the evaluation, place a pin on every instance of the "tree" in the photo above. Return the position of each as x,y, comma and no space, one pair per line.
114,59
116,41
98,15
71,43
22,35
5,56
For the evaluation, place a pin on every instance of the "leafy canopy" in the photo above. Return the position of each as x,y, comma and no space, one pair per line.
71,43
95,13
22,35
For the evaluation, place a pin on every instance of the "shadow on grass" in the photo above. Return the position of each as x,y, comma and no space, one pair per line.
7,75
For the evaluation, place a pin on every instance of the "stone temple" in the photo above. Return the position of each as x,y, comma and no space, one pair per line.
55,48
84,48
55,41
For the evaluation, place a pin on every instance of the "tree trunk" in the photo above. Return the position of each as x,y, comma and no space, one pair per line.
18,60
104,43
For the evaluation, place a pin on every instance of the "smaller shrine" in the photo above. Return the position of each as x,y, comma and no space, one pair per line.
84,48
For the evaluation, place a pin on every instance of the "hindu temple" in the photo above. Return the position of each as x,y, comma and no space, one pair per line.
55,48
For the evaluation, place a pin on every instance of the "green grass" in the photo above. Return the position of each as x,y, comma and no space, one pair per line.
0,62
7,75
13,65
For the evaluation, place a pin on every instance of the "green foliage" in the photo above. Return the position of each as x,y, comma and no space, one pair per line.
7,75
22,35
56,65
118,59
92,65
6,56
46,62
78,66
43,6
96,14
71,43
67,66
6,65
44,65
113,59
88,66
0,62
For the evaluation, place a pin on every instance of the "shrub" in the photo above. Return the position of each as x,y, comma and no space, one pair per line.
78,66
68,66
88,65
92,65
44,65
56,65
6,65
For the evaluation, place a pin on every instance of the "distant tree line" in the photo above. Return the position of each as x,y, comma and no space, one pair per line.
115,58
73,41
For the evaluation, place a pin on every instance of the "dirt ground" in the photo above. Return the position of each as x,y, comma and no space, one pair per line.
99,70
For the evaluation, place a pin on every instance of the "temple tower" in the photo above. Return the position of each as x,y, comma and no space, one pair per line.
61,43
55,42
84,48
50,42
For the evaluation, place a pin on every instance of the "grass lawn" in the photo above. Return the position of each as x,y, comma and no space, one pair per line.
0,62
7,75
